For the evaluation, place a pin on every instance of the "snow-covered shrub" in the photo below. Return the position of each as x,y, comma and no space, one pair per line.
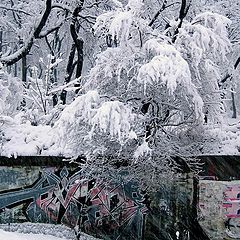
89,118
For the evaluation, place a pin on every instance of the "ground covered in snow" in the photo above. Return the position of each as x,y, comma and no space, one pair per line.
21,236
30,231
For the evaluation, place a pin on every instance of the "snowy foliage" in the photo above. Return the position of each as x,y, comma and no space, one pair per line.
11,90
169,68
120,24
197,39
78,112
103,22
204,44
113,117
217,23
180,77
142,150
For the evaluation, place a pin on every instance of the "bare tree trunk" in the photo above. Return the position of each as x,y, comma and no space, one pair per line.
78,42
69,72
182,14
76,46
15,70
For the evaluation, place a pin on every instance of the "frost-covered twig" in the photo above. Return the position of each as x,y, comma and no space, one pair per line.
15,10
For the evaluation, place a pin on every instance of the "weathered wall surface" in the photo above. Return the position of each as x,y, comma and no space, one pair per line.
219,208
62,196
51,191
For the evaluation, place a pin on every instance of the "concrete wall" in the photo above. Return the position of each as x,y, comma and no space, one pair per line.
48,190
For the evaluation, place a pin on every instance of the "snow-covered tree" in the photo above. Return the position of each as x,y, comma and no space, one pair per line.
150,92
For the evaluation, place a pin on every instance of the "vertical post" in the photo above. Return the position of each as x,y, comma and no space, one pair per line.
234,109
1,41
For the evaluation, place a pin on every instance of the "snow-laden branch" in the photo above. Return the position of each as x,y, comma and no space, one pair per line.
164,7
14,10
167,67
25,49
205,35
113,117
91,118
66,87
79,112
62,6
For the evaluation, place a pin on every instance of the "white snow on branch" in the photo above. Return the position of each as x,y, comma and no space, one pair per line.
216,22
114,118
135,6
53,65
157,47
167,68
103,22
142,150
206,34
81,109
117,4
120,26
118,23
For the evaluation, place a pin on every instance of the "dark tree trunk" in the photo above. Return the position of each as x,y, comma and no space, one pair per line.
78,42
77,46
69,72
24,69
182,14
43,19
15,70
234,109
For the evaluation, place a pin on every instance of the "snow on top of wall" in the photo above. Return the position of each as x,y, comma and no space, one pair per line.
27,140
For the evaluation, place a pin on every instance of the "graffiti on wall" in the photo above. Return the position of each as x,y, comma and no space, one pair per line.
100,207
219,208
231,206
231,202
